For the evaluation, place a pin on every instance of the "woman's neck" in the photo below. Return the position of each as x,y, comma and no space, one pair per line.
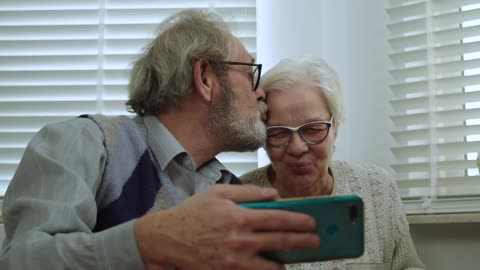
322,187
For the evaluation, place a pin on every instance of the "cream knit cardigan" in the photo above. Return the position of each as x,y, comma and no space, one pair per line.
387,235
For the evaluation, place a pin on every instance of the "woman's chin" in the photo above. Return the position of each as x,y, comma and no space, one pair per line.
300,171
300,183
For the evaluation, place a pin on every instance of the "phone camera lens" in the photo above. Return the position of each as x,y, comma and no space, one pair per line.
353,214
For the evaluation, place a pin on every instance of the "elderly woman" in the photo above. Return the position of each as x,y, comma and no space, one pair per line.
305,114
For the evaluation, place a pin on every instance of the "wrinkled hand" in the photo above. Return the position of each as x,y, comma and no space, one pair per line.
210,231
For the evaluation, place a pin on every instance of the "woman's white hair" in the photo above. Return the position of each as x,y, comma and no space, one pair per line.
289,72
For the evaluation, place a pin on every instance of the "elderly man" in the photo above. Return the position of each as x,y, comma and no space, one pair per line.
122,193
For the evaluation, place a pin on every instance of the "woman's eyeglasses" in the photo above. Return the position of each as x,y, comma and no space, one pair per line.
312,133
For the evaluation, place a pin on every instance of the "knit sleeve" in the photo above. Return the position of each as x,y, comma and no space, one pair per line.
404,255
256,177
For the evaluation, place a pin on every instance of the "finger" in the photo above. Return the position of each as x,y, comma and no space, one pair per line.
280,220
261,263
157,267
273,241
255,262
244,193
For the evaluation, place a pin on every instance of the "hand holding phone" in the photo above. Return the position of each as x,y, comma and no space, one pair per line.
339,221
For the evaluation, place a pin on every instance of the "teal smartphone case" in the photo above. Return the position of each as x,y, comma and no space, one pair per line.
340,225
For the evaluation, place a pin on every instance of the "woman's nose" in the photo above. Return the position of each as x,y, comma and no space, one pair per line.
297,146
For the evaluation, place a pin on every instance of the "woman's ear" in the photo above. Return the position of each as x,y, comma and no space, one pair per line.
204,78
335,128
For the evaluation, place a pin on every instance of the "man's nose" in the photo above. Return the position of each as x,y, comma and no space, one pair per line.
260,93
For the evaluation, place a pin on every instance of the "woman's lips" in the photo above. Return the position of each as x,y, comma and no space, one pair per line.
300,167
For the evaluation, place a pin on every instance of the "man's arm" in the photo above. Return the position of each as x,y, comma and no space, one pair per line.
210,231
50,209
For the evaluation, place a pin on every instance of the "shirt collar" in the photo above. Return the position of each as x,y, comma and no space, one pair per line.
163,143
166,148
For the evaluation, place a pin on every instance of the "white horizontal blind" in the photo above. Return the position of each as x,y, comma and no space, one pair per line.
435,55
60,59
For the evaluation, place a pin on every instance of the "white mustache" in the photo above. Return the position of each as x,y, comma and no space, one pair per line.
262,107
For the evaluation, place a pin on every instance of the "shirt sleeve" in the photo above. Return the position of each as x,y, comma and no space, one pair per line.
50,210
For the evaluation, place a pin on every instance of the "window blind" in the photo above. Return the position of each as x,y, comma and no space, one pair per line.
60,59
435,90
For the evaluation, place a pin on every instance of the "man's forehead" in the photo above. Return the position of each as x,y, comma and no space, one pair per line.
242,52
247,57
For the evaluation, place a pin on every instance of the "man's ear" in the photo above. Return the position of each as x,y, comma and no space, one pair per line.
204,78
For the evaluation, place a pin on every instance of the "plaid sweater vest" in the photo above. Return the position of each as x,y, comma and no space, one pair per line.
131,182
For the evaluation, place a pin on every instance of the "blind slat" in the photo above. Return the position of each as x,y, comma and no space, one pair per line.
447,187
31,123
15,139
49,17
48,5
401,58
445,36
442,133
402,74
55,77
446,149
406,10
446,18
47,108
442,165
400,89
442,101
422,119
47,93
47,63
53,32
48,47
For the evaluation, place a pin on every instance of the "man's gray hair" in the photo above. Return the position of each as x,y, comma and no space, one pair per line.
289,72
162,75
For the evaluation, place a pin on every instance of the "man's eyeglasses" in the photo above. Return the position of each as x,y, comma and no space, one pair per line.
257,71
311,133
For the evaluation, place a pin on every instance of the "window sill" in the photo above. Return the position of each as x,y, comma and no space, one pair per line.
448,218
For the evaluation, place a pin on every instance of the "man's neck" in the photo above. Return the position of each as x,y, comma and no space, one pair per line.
192,132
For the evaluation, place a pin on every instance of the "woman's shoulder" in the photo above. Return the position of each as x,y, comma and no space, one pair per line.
373,183
364,172
359,167
256,177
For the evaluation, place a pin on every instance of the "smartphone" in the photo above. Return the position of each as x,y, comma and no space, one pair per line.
340,226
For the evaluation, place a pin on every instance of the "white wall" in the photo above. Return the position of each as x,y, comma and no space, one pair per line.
448,246
350,35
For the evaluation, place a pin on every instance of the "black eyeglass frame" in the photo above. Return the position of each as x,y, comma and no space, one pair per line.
258,67
298,129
